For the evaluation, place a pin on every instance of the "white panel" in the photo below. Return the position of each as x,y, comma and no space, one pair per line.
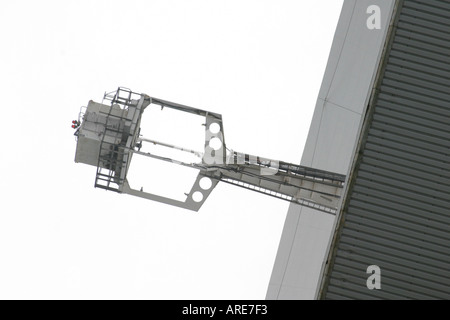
279,269
358,58
334,141
306,256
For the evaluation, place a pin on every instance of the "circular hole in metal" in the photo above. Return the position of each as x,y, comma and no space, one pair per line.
205,183
208,156
197,196
215,143
214,128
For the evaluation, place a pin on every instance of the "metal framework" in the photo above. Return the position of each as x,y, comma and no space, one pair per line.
116,131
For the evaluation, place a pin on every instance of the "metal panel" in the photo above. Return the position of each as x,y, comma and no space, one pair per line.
396,213
343,97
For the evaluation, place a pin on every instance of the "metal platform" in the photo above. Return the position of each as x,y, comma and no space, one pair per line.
109,136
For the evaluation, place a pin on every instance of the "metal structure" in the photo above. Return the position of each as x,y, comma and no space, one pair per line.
396,209
109,135
384,101
340,110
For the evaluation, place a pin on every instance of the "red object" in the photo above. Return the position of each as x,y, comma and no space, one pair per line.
74,126
74,121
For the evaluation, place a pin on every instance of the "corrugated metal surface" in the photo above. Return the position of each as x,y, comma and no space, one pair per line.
397,212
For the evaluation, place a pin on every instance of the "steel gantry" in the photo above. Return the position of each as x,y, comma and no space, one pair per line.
109,135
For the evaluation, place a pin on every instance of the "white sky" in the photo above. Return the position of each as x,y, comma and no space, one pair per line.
258,63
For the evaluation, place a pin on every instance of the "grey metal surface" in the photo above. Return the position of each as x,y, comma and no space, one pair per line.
396,212
341,104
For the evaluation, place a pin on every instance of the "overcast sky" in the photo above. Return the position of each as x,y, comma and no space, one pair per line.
258,63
